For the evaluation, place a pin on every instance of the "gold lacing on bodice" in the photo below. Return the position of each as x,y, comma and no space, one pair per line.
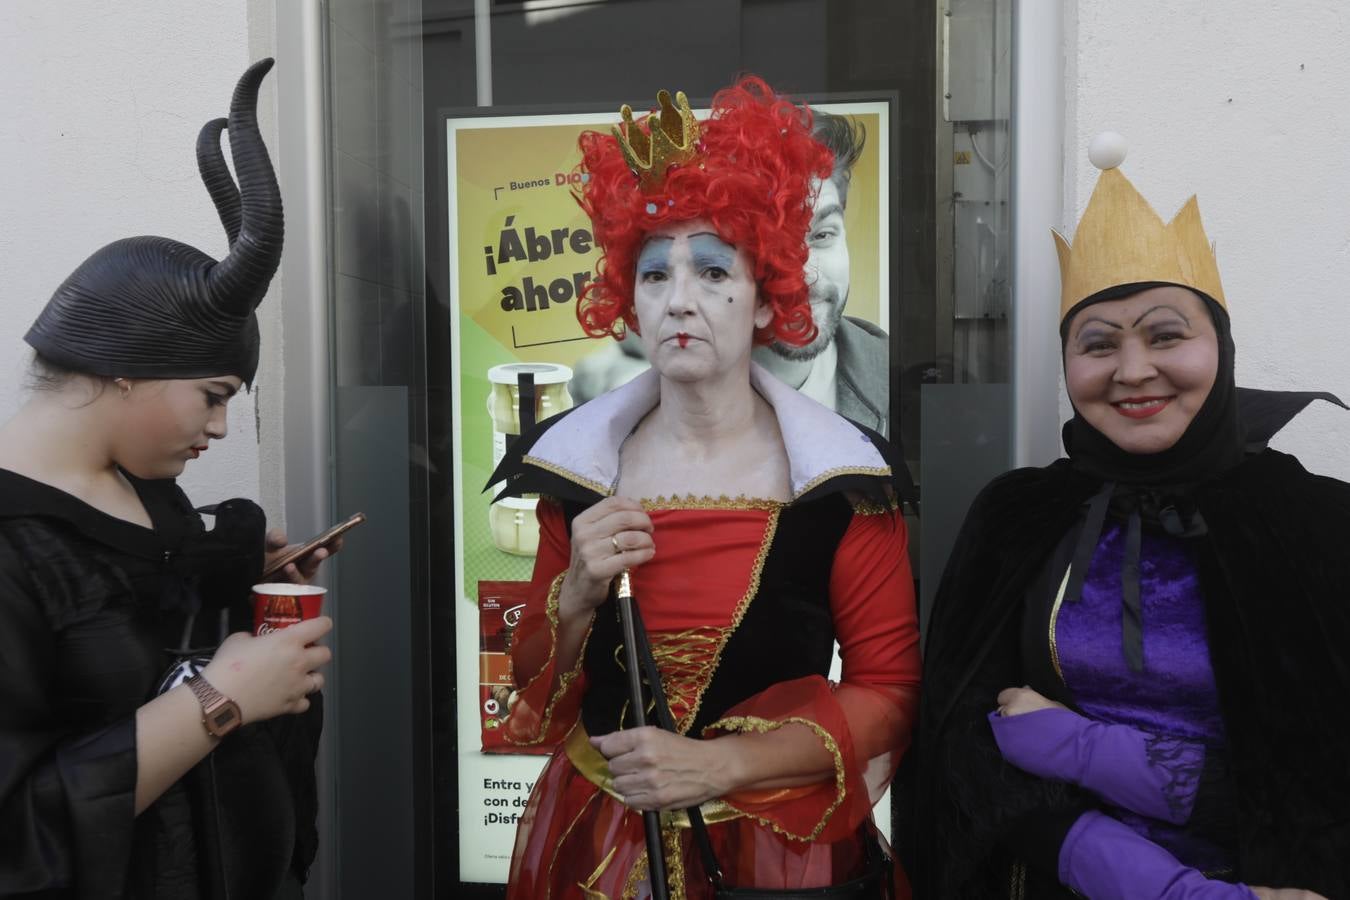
686,660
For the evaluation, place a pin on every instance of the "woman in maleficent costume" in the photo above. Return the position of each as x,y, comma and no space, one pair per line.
1137,656
759,527
113,780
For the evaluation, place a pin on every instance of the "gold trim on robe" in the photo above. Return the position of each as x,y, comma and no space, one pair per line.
565,680
1054,620
762,726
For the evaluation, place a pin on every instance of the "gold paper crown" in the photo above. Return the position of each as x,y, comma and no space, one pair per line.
672,139
1122,240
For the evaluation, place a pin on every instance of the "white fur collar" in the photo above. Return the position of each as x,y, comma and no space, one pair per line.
584,445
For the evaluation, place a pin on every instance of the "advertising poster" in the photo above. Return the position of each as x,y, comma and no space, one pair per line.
520,250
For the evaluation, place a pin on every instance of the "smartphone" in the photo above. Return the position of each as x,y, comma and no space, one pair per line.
309,546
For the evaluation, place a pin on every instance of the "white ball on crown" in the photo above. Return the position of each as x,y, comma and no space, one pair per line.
1107,150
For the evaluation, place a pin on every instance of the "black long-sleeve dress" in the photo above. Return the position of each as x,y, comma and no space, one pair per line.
92,610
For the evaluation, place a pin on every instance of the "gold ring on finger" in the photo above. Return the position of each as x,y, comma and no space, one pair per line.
614,539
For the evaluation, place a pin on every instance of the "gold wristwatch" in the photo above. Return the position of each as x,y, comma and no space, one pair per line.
220,714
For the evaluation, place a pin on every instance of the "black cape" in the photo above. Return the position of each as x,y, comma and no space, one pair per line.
89,608
1275,574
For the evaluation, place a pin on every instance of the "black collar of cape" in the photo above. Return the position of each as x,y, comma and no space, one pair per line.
1264,413
575,455
24,497
1273,569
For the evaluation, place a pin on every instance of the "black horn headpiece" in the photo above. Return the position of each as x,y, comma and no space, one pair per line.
151,307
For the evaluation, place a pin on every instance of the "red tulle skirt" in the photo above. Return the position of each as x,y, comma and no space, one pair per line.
576,840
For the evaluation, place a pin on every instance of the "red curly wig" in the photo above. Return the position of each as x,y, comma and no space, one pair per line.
752,181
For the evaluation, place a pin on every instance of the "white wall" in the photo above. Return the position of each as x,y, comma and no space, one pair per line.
102,103
1243,103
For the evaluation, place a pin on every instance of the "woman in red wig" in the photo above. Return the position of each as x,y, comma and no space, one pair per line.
758,527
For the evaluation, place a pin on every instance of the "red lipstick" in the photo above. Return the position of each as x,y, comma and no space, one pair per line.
682,339
1141,407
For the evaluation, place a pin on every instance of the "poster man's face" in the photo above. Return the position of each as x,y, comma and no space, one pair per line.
826,271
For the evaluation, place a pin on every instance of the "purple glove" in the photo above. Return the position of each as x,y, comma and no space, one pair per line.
1106,860
1149,775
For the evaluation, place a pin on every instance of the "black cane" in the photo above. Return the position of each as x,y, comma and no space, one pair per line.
651,819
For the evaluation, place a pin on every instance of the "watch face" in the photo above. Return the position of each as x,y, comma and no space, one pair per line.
223,720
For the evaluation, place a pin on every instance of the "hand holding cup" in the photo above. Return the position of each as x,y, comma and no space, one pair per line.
271,674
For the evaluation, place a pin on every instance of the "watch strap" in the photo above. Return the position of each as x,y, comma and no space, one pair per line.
220,714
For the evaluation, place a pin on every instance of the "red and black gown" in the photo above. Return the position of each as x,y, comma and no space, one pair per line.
743,602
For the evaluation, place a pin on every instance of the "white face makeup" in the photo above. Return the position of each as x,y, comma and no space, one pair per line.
827,271
1138,369
697,302
163,424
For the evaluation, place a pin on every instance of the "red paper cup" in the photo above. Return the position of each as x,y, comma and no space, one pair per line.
277,606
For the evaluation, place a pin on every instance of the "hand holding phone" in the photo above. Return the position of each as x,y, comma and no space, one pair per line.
300,551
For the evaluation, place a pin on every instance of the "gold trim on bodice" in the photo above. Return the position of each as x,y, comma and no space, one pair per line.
689,501
756,570
686,660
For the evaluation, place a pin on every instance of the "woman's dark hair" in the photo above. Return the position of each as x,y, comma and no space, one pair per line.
46,375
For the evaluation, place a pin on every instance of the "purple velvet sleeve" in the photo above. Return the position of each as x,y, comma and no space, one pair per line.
1106,860
1146,774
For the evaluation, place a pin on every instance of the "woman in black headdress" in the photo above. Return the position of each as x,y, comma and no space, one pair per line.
1136,657
114,780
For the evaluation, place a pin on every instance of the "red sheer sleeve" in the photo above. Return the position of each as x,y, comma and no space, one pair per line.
866,720
547,700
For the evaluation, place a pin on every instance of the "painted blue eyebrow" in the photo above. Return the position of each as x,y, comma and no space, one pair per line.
710,250
655,254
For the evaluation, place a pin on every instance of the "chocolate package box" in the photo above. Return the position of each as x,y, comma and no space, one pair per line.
501,607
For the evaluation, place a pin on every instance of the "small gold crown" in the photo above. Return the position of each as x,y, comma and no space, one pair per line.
1122,240
671,141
